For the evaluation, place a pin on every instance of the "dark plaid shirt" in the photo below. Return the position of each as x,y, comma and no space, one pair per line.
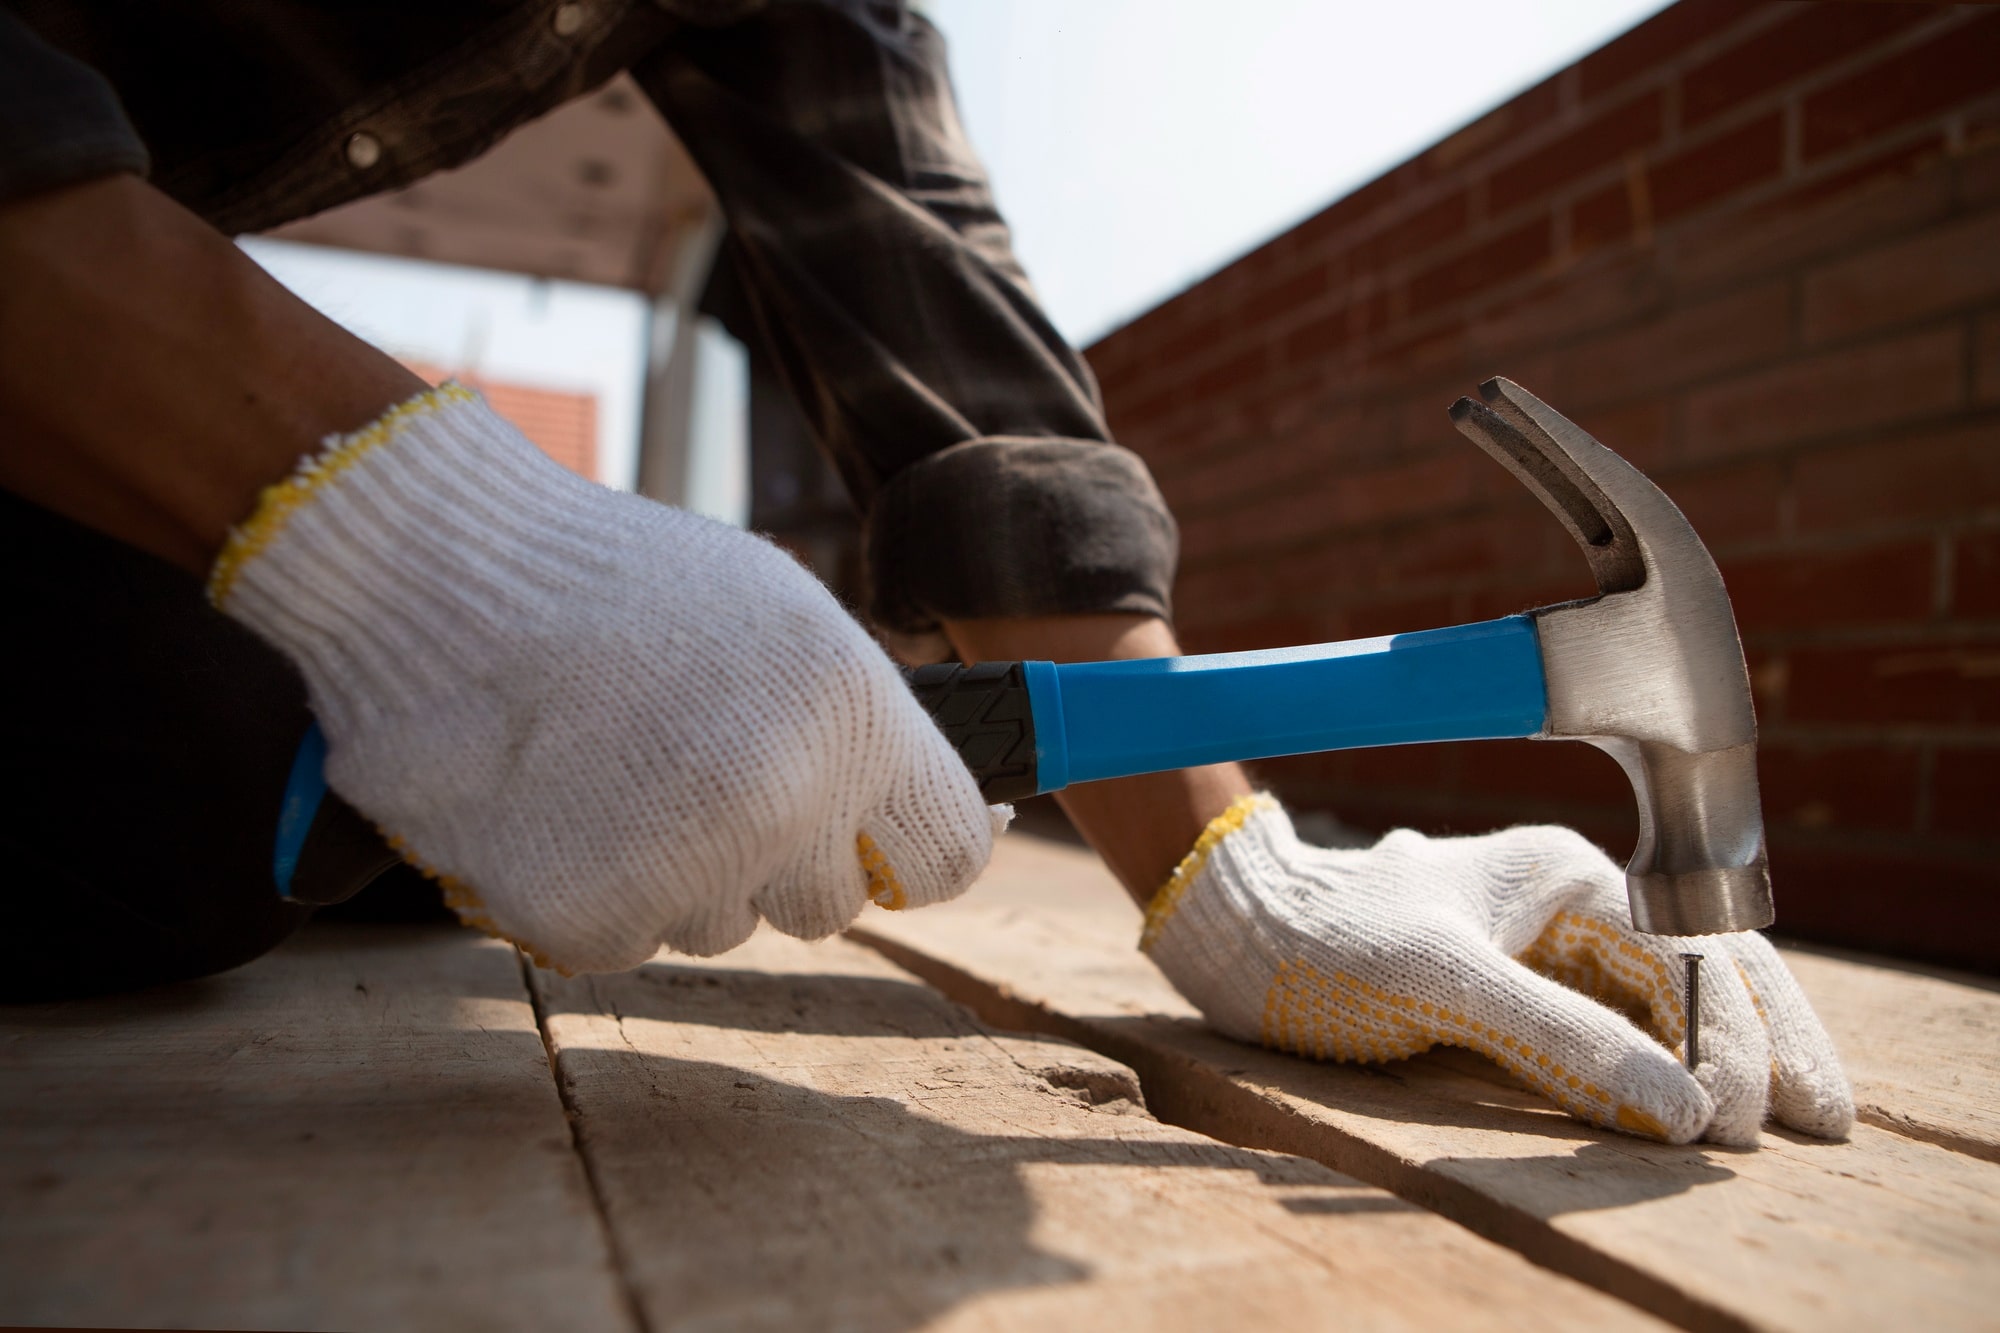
861,222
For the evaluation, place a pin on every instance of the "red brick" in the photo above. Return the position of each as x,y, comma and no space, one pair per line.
1770,683
1512,598
1975,576
1329,229
1606,138
1155,419
1680,346
1405,237
1733,503
1438,347
1986,358
1657,41
1945,474
1443,481
1965,793
1238,372
1403,616
1953,67
1424,422
1977,167
1890,192
1247,470
1825,588
1503,125
1555,772
1324,335
1523,542
1903,379
1586,299
1636,432
1194,343
1843,787
1915,902
1289,292
1745,156
1246,635
1941,268
1604,216
1941,682
1394,768
1784,52
1725,165
1506,256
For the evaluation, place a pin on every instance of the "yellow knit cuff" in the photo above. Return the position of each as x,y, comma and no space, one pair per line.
279,501
1168,900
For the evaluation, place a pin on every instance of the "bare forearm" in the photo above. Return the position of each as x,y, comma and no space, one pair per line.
152,378
1141,826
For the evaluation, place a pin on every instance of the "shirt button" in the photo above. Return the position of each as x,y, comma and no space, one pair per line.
568,20
364,150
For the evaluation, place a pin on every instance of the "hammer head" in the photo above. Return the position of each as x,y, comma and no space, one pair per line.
1650,671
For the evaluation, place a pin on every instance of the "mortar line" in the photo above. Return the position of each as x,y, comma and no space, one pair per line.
621,1274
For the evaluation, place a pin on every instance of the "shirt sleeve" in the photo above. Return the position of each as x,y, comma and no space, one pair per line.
862,224
60,122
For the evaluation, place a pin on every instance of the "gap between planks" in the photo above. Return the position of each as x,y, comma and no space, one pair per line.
1045,943
621,1269
797,1135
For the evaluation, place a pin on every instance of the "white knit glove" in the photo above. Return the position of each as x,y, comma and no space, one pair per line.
604,723
1496,943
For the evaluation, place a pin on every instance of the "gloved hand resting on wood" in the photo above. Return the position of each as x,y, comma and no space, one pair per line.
1516,944
604,723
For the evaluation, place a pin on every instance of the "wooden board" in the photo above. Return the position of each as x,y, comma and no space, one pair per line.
1922,1046
1885,1231
799,1136
358,1131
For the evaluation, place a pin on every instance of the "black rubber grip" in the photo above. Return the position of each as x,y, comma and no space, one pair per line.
983,710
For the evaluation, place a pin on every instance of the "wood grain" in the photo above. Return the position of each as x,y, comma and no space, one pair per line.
1923,1047
1885,1231
356,1131
799,1136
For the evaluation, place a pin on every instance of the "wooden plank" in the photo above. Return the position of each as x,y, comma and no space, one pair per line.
1922,1045
799,1136
357,1131
1880,1232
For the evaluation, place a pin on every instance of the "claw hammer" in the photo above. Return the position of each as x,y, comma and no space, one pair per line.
1650,671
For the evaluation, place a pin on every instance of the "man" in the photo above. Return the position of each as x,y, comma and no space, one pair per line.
603,724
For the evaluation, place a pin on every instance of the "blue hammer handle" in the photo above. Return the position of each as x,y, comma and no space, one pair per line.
1030,727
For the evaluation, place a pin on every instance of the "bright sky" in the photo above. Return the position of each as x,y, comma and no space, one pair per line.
1135,146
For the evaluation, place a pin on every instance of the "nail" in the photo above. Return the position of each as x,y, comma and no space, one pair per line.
1693,961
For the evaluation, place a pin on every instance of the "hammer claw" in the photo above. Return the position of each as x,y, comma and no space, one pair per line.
1522,435
1650,671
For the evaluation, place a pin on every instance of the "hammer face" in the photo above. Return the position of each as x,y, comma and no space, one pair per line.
1698,867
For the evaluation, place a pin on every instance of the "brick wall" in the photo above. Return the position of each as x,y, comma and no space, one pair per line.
1756,249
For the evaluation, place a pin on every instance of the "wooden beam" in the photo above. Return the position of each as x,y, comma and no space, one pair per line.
1884,1231
1922,1045
799,1136
356,1131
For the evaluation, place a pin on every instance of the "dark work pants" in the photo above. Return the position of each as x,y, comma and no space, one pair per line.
145,744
